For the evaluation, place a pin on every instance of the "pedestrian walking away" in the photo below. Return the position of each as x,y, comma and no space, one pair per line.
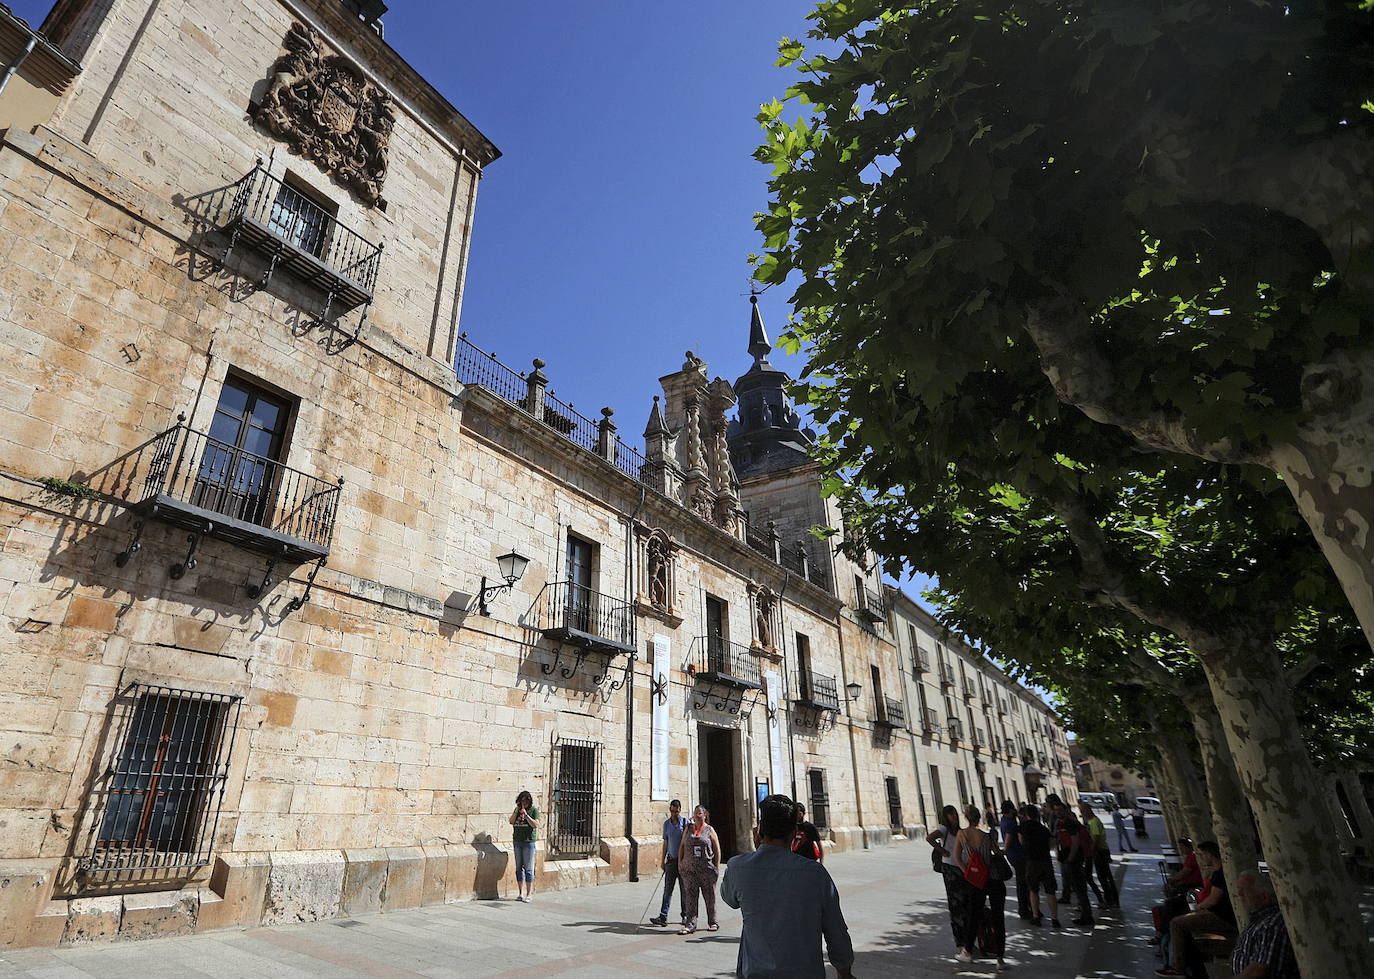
1123,842
525,819
1035,838
699,866
1016,855
957,896
788,904
673,828
1100,855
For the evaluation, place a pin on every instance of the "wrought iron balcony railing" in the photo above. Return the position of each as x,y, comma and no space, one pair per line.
946,676
297,234
956,729
968,690
868,604
891,713
930,723
718,660
919,663
212,487
574,614
817,690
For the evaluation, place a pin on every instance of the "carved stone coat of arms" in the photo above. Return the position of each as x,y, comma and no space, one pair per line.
326,111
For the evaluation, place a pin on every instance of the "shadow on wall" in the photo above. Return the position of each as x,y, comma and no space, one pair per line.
492,862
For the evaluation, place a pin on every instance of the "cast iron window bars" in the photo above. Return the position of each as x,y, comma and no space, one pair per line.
574,615
257,503
724,674
159,802
297,234
818,800
575,829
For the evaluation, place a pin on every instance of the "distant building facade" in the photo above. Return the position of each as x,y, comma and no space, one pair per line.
1096,775
300,588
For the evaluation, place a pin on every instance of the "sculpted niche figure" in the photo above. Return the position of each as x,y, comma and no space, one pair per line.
326,111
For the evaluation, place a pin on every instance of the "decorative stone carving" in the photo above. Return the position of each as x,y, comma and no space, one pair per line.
327,112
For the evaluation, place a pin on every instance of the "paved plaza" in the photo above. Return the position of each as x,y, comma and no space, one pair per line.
893,902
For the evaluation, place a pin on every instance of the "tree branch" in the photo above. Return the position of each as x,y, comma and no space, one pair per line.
1082,375
1296,674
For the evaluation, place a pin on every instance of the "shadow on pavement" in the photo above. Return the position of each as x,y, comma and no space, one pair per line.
614,927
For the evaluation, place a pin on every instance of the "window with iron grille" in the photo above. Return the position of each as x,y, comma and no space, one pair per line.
818,804
576,798
160,801
894,804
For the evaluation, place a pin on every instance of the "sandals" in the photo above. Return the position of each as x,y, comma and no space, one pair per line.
687,930
713,927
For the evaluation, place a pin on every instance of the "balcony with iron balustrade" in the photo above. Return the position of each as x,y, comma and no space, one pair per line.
213,488
576,615
891,713
716,660
868,605
817,691
296,234
946,677
930,724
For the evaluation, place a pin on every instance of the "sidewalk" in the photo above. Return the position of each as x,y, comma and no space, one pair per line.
894,904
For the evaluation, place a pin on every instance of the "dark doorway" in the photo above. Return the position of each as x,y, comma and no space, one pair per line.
716,777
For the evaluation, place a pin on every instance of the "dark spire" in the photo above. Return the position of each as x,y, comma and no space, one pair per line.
758,339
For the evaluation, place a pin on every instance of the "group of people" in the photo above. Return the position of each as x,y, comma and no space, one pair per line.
977,861
1261,951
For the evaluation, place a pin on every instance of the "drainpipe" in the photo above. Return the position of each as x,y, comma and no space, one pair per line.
9,72
630,695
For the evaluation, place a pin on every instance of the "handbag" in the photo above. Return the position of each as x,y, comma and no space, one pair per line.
1001,868
976,873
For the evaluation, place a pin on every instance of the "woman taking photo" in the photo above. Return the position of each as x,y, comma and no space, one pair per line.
956,888
698,866
525,819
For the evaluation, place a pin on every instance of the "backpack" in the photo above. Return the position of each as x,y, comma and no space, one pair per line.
804,846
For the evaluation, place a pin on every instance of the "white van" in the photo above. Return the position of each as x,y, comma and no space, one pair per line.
1148,804
1104,801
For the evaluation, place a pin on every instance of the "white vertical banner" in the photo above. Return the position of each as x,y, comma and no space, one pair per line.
658,695
775,755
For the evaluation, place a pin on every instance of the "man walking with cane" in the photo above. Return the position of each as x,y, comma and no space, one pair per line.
673,828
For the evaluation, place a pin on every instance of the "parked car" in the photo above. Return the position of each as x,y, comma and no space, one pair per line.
1148,804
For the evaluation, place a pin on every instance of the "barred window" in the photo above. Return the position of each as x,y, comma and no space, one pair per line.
160,801
576,798
818,802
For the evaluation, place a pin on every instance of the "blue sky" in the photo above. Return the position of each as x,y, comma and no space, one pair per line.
612,235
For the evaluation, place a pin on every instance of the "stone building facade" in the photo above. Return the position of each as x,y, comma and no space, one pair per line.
299,589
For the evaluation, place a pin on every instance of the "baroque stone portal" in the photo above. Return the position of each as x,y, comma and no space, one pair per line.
329,113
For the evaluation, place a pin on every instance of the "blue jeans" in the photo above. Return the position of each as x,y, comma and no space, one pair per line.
524,862
669,885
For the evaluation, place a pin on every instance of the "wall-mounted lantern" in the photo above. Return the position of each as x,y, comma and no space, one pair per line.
853,689
511,566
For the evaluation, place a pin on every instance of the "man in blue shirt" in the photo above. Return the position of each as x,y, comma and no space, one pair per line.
787,902
673,828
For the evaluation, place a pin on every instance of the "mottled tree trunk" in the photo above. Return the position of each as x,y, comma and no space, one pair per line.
1173,819
1235,833
1329,469
1175,756
1318,900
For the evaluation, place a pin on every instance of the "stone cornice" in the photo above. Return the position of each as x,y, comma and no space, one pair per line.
687,529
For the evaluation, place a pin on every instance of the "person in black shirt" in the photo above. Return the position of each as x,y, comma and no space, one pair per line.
1214,914
1035,838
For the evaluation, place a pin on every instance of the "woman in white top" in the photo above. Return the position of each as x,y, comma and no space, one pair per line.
957,889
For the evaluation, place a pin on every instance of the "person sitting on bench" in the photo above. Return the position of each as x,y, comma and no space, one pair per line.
1214,914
